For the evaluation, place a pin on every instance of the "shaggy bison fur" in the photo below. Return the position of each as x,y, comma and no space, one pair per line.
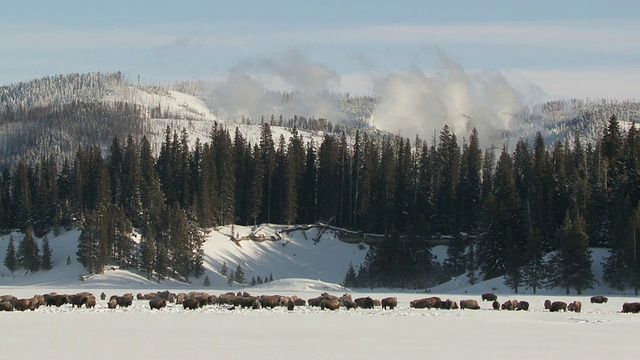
575,306
391,302
190,304
112,303
547,304
22,305
364,302
77,300
271,301
557,306
57,300
496,305
329,304
489,297
599,299
91,302
124,301
469,304
6,306
523,305
425,303
290,304
633,307
103,296
157,303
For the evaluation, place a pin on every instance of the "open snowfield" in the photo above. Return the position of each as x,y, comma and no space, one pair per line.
297,262
600,331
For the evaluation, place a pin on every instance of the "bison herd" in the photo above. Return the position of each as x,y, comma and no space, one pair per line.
231,301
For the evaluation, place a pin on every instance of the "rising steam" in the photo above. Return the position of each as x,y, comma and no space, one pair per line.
411,102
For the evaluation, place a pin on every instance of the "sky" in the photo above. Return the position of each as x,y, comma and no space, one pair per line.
546,49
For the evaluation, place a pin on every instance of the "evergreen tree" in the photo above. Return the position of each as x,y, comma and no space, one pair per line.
147,250
259,280
533,271
253,281
239,275
231,278
570,266
223,269
206,282
10,259
455,264
28,252
45,262
93,249
350,279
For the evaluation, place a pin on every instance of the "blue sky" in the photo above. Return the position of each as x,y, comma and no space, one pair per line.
567,48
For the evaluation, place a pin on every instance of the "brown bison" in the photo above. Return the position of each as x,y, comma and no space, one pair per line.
22,305
103,296
271,301
364,302
139,296
124,301
256,305
57,300
329,304
77,300
599,299
315,302
244,301
112,303
190,304
8,298
575,306
290,304
425,303
469,304
6,306
489,297
298,302
40,300
547,304
226,299
523,305
557,306
91,302
633,307
496,305
157,303
391,302
349,304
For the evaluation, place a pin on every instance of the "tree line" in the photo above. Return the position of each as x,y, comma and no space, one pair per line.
504,209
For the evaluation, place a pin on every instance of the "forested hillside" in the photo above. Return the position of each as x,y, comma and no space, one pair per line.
77,154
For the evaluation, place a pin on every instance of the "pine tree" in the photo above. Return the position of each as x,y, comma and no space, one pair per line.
147,250
350,279
259,280
206,282
223,269
239,275
10,259
231,278
270,277
46,254
28,252
253,281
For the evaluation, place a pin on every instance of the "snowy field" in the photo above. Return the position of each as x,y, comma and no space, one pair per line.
600,331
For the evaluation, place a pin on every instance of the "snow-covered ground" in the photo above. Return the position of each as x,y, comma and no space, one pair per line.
305,268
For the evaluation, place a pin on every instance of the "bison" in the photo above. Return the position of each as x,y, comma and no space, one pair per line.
124,301
315,302
599,299
575,306
547,304
190,304
77,300
557,306
523,305
291,304
6,306
57,300
22,305
391,302
509,305
633,307
112,303
91,302
469,304
489,297
103,296
425,303
364,302
157,303
329,304
496,305
298,302
256,305
271,301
